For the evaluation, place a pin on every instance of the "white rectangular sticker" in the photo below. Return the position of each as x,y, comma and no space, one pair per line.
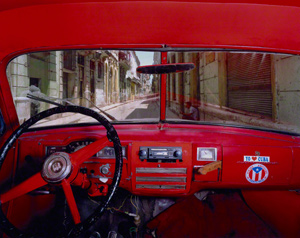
263,159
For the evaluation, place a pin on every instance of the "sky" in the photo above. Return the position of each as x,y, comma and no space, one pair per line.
145,57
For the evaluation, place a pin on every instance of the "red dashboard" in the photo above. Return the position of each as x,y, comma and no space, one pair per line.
166,159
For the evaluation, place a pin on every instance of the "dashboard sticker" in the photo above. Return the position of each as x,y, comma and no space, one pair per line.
261,159
257,173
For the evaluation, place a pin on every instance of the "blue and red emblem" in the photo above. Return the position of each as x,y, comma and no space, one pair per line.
257,173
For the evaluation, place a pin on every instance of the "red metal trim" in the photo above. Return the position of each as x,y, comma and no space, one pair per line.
71,201
163,88
231,47
6,102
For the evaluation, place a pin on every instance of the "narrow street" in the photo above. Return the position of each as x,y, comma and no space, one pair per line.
142,109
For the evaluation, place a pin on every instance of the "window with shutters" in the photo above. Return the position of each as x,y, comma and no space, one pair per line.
249,82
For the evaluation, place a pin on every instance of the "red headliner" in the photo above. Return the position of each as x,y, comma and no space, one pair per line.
21,3
150,23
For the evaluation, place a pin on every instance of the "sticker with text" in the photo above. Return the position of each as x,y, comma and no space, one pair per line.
257,173
262,159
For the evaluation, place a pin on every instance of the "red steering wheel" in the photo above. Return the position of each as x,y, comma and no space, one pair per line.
62,169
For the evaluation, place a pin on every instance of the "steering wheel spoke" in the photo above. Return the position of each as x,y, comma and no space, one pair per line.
78,157
34,182
71,201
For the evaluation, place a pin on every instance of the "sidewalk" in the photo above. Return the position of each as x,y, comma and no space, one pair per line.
71,118
146,109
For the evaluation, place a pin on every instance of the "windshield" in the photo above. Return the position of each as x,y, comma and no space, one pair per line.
104,80
237,88
233,88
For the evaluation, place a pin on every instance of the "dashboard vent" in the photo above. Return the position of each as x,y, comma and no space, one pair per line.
162,170
160,186
161,178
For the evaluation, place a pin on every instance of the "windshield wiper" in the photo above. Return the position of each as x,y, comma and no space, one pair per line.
34,97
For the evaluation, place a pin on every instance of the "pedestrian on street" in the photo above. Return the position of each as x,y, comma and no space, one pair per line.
192,114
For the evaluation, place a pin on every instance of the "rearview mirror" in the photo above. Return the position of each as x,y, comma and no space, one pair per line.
165,68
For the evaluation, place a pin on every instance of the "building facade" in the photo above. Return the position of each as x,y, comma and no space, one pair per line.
245,85
87,78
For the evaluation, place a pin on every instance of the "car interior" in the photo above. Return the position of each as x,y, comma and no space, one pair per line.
125,119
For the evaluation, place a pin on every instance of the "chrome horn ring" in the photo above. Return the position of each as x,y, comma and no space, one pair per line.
56,167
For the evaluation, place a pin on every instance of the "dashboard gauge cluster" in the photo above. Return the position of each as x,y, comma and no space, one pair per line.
77,145
52,149
70,148
109,153
206,154
106,153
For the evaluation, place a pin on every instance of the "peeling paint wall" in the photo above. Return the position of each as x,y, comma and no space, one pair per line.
212,73
213,78
39,66
200,85
209,89
17,73
287,89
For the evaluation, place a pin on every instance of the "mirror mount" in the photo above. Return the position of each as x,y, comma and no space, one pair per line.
165,68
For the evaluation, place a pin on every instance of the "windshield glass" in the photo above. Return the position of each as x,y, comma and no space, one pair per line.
236,88
104,80
233,88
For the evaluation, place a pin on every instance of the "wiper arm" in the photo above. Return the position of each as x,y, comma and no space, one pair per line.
105,113
33,97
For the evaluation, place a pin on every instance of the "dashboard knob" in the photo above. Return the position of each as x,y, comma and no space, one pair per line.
83,170
104,169
143,153
177,153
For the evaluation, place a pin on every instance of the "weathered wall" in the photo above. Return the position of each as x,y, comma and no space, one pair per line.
204,84
99,86
41,66
287,89
209,89
53,74
17,73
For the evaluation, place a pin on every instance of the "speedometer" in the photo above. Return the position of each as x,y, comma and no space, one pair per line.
106,153
77,145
